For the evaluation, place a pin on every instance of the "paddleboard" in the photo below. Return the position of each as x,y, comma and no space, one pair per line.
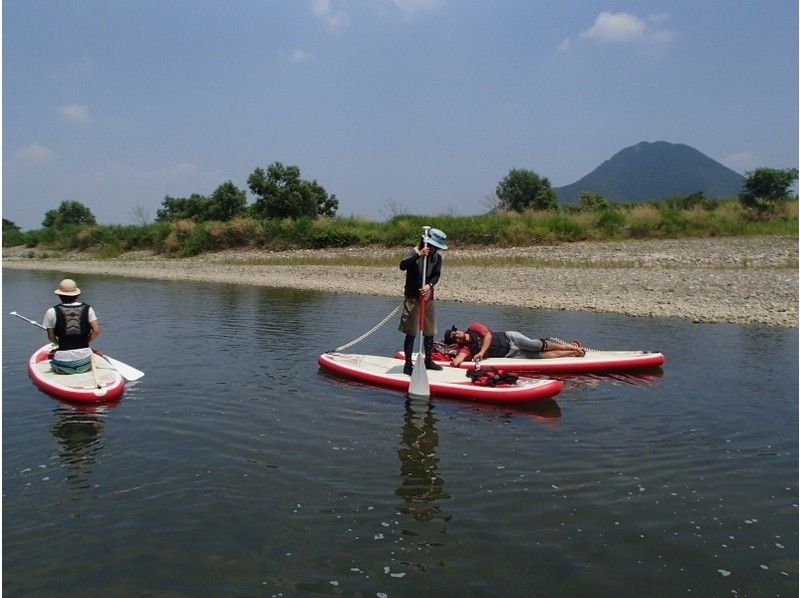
449,382
75,387
594,362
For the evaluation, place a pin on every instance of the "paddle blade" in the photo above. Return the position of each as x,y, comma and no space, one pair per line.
419,386
128,372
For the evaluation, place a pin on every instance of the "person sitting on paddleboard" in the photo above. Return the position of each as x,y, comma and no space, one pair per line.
479,342
414,292
71,325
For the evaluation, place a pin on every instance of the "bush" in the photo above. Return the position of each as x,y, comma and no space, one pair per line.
611,221
643,221
671,222
566,227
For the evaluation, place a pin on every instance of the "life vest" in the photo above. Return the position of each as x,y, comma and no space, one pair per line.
490,376
72,326
499,347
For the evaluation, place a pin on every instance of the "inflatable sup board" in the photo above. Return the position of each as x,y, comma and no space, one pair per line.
449,382
594,362
81,388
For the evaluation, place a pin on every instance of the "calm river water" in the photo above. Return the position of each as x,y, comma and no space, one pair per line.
236,467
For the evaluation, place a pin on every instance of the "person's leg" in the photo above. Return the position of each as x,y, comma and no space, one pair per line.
554,348
523,343
429,332
564,349
408,349
430,364
541,348
409,324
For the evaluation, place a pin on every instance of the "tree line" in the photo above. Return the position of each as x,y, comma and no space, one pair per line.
281,193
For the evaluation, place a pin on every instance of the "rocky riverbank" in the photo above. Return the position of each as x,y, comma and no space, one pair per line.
737,280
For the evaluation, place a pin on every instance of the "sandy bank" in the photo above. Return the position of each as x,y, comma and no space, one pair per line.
738,280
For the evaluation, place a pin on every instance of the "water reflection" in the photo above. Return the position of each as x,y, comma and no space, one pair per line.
421,485
78,429
639,378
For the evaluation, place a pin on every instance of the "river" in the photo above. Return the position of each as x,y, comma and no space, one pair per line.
237,467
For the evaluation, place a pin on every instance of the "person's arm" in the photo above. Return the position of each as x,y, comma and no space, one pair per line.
482,331
485,344
94,330
461,357
49,322
410,260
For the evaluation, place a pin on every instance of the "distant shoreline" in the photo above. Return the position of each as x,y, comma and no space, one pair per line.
742,280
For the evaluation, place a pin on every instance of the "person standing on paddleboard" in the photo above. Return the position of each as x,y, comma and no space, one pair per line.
71,325
415,293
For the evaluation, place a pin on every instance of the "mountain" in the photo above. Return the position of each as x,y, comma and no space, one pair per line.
652,171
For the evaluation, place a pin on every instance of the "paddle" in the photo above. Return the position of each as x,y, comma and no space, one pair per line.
419,386
128,372
94,373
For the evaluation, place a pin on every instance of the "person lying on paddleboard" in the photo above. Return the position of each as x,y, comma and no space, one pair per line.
71,325
479,342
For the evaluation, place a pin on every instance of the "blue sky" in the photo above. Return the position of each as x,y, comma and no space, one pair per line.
414,105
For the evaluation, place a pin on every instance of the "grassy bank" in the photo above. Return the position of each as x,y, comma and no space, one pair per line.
619,222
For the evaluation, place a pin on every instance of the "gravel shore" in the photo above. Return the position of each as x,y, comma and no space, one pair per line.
737,280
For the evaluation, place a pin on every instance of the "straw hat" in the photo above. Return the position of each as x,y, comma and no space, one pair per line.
68,288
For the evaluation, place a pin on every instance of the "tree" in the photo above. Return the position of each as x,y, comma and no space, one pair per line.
590,201
522,189
12,234
226,202
69,212
10,225
764,187
194,207
283,194
140,214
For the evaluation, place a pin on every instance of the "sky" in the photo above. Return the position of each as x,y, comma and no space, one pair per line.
416,106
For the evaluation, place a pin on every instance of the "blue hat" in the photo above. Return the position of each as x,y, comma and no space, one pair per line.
437,238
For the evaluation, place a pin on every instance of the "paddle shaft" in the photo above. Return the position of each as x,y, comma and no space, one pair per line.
422,298
29,321
94,372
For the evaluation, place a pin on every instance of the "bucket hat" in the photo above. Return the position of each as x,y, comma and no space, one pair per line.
437,238
68,288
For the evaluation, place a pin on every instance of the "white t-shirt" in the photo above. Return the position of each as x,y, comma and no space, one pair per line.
50,322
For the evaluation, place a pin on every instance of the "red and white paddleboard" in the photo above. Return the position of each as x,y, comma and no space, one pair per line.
448,382
80,388
594,362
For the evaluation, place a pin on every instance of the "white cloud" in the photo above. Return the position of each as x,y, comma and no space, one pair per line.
300,55
566,45
335,19
408,8
75,113
34,153
622,27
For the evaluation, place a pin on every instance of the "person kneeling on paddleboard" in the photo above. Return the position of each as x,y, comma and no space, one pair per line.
71,325
479,342
415,293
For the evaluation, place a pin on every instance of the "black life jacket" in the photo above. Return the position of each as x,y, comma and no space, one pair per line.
72,326
499,347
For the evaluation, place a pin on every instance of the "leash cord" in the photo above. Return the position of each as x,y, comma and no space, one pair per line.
367,333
